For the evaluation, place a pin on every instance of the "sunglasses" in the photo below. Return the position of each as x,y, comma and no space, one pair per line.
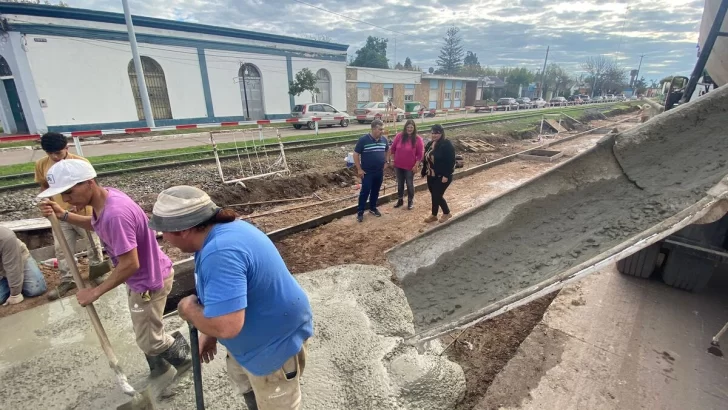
69,190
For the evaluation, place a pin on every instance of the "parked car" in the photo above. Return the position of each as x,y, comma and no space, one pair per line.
621,97
307,112
377,110
576,99
524,102
599,99
585,98
558,101
506,104
539,102
611,98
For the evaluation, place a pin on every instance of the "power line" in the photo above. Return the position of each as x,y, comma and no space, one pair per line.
347,17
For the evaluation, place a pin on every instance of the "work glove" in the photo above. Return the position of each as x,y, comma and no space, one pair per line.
14,300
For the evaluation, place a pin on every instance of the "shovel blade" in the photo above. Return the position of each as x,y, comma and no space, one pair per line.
141,401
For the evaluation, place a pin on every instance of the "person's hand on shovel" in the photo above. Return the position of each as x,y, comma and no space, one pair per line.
87,296
48,208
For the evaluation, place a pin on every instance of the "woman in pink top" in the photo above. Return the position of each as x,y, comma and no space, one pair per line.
408,150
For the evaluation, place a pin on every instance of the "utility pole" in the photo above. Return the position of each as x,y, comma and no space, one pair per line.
146,105
543,72
245,92
639,67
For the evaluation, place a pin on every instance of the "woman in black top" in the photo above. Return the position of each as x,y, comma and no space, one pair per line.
438,165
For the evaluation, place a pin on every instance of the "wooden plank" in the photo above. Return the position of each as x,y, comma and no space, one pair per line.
31,224
555,125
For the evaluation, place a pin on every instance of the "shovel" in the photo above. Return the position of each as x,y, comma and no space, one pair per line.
141,401
196,367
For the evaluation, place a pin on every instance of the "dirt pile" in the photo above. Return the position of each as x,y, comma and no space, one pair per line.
567,216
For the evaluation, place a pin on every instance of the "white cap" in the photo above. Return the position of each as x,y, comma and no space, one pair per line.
63,175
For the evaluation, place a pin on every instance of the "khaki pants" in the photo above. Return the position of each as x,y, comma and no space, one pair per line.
73,233
276,391
146,318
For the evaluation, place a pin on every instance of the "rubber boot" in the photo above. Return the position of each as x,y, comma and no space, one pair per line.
61,290
250,402
157,366
178,355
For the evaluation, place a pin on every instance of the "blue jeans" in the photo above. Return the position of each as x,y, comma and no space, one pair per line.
370,185
33,282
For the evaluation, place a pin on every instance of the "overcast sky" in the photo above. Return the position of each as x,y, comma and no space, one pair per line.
500,32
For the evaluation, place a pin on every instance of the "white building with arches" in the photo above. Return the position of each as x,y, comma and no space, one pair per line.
65,69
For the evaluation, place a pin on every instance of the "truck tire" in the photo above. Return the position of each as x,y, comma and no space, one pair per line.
688,269
640,264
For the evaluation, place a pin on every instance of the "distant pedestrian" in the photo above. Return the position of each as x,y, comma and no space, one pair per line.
408,150
438,166
19,273
55,146
370,157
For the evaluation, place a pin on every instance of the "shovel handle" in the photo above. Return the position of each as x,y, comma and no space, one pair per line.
196,367
93,316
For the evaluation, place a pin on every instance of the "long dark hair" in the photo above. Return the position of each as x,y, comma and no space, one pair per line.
222,216
440,129
406,137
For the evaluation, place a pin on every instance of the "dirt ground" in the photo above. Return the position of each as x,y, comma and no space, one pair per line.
346,241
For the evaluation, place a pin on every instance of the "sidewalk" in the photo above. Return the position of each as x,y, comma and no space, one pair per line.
617,342
201,139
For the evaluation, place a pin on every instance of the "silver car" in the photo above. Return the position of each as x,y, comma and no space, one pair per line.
378,110
329,115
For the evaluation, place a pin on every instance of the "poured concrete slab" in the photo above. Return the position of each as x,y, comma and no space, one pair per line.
50,358
559,223
622,343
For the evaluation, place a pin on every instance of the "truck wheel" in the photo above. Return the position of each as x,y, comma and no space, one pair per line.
688,269
642,263
310,125
297,126
344,123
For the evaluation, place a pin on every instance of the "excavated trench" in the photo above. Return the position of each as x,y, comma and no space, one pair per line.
624,185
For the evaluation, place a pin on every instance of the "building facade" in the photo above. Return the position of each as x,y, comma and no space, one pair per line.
66,69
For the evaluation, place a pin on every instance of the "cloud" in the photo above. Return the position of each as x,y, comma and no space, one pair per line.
500,32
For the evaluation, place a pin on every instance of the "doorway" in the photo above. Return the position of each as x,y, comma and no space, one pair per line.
251,91
15,106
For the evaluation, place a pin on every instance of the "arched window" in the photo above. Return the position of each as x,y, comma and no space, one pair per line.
156,86
5,68
251,92
323,83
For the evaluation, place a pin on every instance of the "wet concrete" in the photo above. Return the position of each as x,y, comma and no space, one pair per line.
50,359
587,205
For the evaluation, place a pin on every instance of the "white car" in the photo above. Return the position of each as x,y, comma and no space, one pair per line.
329,115
539,102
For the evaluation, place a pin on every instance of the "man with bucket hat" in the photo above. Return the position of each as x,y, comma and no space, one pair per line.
246,297
138,260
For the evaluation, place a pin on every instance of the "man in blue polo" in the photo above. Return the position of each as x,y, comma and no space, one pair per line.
370,158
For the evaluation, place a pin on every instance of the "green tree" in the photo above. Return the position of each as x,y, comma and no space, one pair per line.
451,54
305,81
516,78
471,66
471,59
399,66
408,64
640,86
373,54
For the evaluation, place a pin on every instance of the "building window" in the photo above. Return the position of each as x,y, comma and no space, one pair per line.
409,94
458,94
388,94
323,83
156,86
362,96
5,68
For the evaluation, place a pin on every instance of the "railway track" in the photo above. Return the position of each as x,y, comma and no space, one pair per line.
175,160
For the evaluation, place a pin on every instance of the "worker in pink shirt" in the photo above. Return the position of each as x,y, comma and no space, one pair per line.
408,150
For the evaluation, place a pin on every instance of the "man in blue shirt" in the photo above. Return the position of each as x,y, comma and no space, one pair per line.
246,298
370,156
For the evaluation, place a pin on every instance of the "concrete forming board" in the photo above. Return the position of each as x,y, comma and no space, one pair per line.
50,357
589,205
541,155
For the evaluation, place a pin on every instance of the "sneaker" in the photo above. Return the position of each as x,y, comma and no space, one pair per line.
61,290
399,203
375,212
445,217
431,218
360,217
